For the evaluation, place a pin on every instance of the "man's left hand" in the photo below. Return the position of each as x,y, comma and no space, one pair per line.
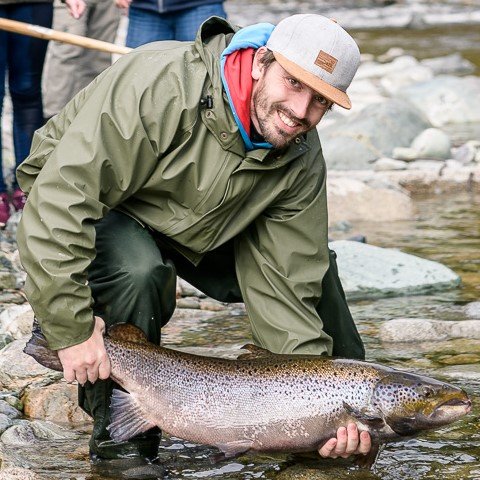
349,441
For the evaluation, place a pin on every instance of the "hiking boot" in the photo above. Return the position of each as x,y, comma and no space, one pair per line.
4,208
18,199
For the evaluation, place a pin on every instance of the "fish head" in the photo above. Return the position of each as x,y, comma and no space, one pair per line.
411,403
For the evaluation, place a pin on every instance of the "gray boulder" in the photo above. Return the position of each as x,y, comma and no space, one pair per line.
354,142
446,99
368,271
426,330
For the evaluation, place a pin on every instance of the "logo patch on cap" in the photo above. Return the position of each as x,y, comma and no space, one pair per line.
326,61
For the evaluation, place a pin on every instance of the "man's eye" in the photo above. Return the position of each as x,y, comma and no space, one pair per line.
322,100
293,82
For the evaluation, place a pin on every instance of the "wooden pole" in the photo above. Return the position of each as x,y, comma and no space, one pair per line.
49,34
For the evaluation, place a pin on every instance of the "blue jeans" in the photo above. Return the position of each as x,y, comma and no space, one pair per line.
146,26
22,57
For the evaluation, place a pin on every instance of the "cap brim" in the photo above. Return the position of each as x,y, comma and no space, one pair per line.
320,86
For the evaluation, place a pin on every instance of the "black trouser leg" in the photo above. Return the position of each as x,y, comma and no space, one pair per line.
131,283
336,317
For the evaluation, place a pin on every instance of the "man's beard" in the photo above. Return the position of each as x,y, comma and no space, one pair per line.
264,111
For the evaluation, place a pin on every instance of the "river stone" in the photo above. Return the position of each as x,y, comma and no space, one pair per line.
469,372
422,330
17,370
368,271
5,422
450,64
354,142
7,280
393,82
8,410
468,152
18,473
472,310
57,403
350,199
432,144
16,321
386,164
26,433
446,99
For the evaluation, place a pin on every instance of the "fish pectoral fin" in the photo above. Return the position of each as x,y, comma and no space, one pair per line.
234,449
372,418
127,419
254,351
368,460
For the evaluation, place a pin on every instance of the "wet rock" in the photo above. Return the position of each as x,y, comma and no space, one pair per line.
5,422
351,200
395,81
212,305
391,54
421,330
17,370
429,165
188,302
472,310
446,99
26,433
461,359
7,280
57,403
188,290
469,372
379,70
383,164
18,473
368,271
16,321
406,154
468,152
453,64
432,144
8,410
354,142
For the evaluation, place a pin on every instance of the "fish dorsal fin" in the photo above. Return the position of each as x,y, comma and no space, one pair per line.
127,418
368,417
127,333
253,351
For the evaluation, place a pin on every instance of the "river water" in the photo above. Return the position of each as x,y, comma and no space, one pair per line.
444,228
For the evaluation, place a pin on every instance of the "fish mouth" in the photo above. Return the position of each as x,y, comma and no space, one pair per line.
465,405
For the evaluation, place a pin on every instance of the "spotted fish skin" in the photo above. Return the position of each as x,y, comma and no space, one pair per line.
263,401
275,402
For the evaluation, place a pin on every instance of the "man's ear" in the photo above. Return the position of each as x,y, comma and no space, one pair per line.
257,66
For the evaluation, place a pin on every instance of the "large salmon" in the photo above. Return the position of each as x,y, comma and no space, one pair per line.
263,401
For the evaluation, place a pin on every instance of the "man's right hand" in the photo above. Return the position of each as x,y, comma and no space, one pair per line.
87,360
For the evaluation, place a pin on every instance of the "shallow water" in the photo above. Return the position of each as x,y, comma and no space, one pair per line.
445,229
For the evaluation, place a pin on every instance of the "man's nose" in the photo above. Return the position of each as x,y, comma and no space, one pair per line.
301,104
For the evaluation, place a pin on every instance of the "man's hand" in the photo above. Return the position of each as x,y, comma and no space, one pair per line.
348,442
76,8
87,360
123,3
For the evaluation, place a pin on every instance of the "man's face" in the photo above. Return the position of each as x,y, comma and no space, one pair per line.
282,107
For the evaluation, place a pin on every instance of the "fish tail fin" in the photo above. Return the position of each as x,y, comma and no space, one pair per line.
127,419
37,348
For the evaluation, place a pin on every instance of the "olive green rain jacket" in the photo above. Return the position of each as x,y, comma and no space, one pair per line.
140,139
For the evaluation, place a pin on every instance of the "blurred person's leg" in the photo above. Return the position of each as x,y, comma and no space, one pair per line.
25,58
145,26
62,77
188,21
25,63
102,24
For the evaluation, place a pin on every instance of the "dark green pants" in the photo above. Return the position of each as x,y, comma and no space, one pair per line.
133,280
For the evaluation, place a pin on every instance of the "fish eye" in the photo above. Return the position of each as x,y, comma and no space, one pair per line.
428,392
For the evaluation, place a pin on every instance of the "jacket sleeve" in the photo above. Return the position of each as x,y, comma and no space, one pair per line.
101,158
281,260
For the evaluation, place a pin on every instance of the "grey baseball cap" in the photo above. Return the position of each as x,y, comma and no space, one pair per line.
318,52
